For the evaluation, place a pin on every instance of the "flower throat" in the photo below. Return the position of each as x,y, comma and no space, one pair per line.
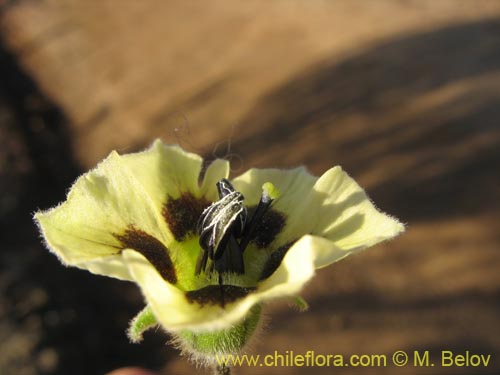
226,228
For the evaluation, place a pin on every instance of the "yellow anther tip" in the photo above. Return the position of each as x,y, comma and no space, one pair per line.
270,190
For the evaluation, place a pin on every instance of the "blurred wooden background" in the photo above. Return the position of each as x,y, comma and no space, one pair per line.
405,95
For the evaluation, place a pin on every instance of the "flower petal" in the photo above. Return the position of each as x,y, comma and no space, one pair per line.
347,217
101,204
215,172
325,251
165,170
295,270
334,207
168,303
174,311
294,186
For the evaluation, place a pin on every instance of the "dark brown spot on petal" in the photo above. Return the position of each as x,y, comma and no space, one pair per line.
181,214
268,228
274,260
152,249
217,294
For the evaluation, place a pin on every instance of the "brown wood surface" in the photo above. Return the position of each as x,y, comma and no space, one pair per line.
405,95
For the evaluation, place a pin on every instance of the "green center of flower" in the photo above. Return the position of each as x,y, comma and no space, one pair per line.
226,228
221,249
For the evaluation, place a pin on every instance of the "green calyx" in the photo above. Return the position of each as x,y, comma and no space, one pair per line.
202,346
208,345
141,323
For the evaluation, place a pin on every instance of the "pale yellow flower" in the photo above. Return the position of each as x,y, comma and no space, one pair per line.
134,217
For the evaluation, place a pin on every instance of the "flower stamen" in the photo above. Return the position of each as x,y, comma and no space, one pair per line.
223,223
269,193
